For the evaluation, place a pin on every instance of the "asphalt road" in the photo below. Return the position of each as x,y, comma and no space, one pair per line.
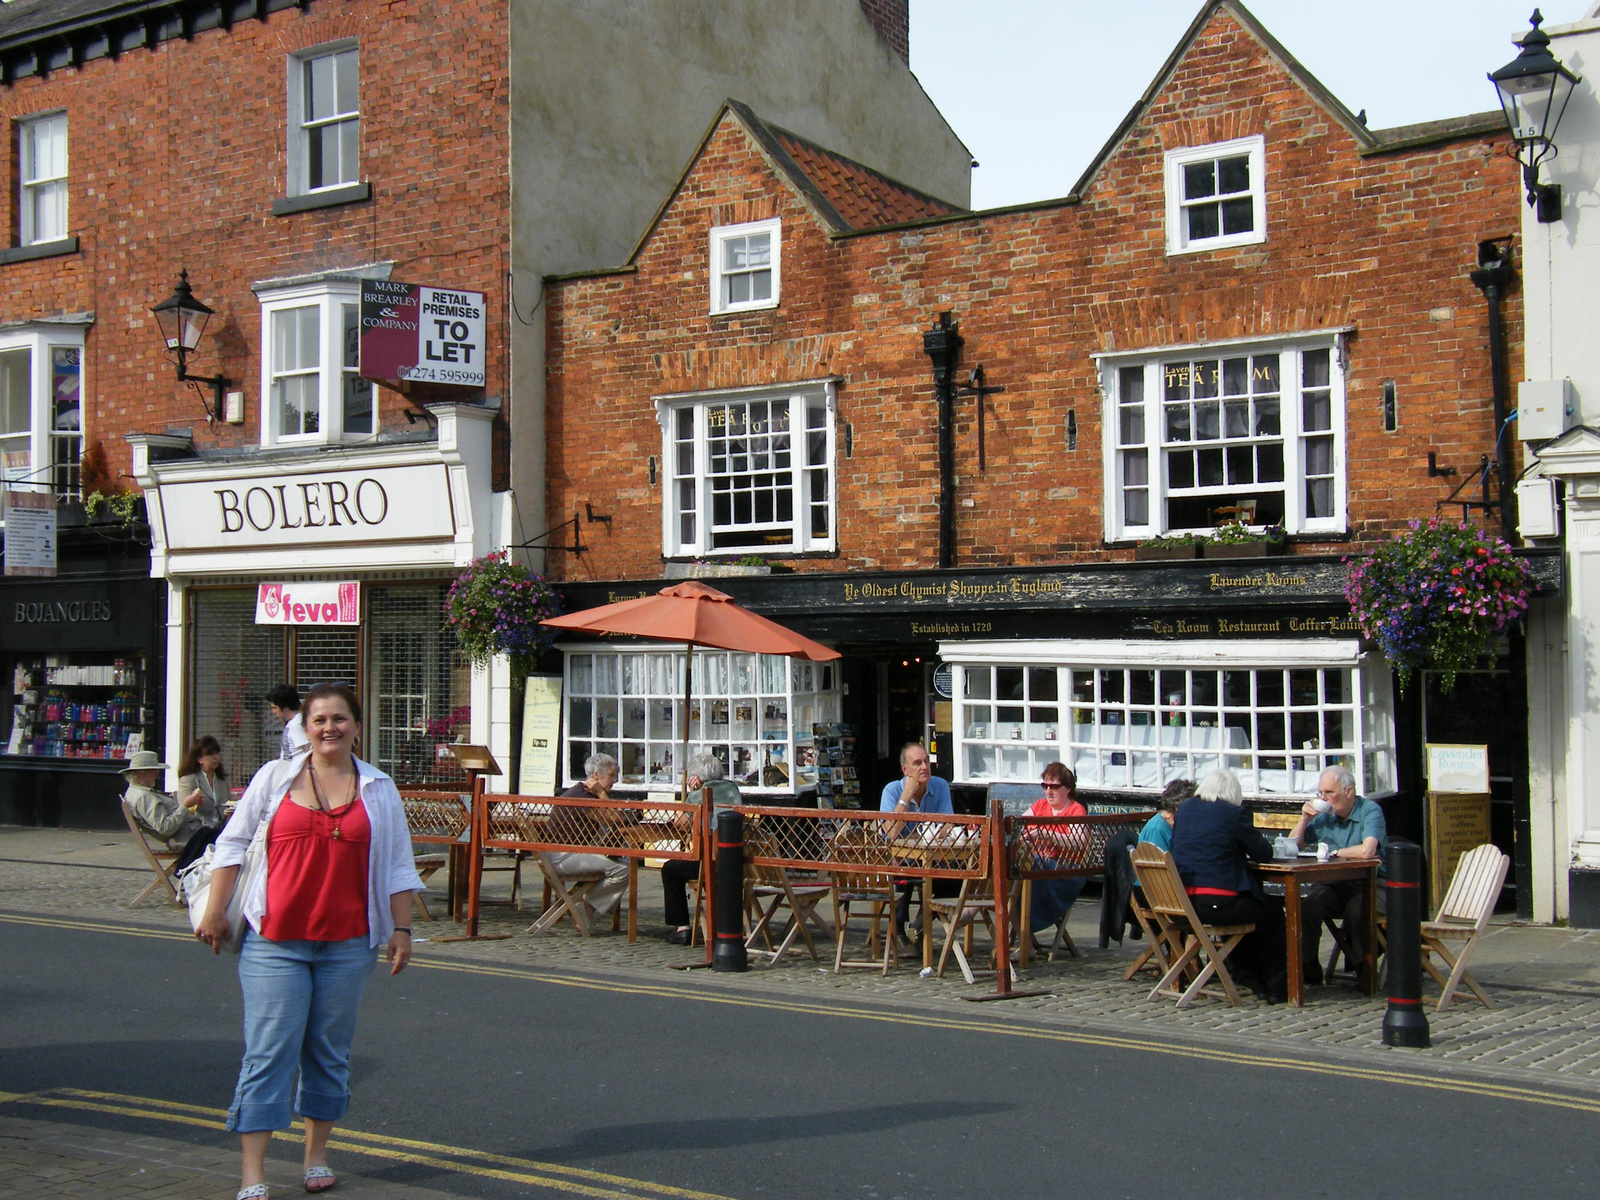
492,1081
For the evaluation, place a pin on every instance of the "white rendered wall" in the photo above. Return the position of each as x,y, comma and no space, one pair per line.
1560,265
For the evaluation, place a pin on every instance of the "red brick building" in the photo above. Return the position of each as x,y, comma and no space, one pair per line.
1251,305
286,153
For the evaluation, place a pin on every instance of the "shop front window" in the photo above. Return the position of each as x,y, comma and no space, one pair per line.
1136,727
401,661
420,685
754,712
80,706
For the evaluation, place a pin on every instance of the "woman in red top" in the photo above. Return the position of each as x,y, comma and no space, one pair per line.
338,884
1056,847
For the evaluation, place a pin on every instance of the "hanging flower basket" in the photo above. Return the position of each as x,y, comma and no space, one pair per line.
495,607
1436,597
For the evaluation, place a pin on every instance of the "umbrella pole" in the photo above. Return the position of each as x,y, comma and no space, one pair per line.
708,872
688,691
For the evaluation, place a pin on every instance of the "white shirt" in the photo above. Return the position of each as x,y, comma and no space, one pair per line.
294,741
390,867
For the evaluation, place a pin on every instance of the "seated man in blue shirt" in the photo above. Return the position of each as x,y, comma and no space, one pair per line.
1353,827
917,790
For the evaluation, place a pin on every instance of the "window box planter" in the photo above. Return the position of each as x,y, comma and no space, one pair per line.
1187,550
1261,549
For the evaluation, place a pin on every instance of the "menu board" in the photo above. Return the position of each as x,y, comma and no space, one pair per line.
1456,823
541,735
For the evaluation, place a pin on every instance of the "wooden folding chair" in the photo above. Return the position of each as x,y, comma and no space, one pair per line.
427,866
1341,947
161,861
1166,899
1159,947
770,890
1463,915
872,896
1062,939
567,891
958,916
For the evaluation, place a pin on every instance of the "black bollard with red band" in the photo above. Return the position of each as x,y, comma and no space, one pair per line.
1405,1024
729,954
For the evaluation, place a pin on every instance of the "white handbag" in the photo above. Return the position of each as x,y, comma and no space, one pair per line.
195,883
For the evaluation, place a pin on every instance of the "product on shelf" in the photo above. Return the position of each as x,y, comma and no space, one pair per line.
74,706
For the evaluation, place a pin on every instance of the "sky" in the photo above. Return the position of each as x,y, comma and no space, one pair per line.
1035,87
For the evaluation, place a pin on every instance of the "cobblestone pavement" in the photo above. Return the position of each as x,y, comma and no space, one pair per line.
1543,1033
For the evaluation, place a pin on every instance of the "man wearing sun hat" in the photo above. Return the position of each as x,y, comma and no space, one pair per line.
161,813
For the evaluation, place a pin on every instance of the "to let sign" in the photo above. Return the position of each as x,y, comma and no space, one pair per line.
411,333
308,604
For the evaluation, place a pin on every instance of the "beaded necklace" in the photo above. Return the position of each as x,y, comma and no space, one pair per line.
322,802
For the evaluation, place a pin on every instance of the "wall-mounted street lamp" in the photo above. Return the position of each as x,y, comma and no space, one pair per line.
183,319
1534,88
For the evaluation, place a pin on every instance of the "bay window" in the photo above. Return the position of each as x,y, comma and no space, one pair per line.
755,712
41,407
1132,716
310,365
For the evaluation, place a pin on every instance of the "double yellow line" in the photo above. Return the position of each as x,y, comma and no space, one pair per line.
924,1019
552,1176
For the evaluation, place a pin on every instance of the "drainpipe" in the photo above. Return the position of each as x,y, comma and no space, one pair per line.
942,344
1492,277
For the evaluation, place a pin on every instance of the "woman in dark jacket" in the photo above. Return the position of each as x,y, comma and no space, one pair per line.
1213,843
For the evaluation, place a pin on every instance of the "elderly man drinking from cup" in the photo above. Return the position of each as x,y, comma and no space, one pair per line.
1352,827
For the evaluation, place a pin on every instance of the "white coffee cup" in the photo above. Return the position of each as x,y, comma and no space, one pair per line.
1320,805
1323,850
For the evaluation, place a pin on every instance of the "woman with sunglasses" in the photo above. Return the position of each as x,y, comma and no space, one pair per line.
1056,847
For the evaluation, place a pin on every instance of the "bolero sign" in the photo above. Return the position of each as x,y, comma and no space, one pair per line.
380,504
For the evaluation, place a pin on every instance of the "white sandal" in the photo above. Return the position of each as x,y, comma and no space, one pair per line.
256,1191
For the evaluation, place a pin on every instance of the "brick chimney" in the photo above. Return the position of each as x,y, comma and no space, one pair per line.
893,19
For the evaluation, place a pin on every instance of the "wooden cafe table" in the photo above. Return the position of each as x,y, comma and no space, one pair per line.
1293,873
958,853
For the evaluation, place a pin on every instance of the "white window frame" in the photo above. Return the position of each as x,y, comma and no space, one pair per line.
691,474
329,298
753,711
1181,736
42,184
41,340
1178,239
1127,423
301,125
720,237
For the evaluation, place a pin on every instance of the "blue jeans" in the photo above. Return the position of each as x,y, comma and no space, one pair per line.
300,1006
